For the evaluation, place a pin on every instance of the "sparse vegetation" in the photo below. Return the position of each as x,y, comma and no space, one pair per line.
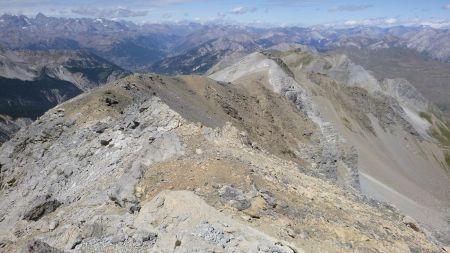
426,116
347,123
289,153
307,59
442,134
447,159
304,59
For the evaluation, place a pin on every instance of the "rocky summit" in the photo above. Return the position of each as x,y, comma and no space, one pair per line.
276,152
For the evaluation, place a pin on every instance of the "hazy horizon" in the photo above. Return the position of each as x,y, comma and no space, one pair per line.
255,13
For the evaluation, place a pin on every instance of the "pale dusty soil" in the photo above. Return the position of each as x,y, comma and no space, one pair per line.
304,211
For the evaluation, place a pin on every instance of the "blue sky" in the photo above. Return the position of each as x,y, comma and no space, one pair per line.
257,12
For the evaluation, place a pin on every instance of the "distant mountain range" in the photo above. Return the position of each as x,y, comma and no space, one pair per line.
192,48
289,139
138,47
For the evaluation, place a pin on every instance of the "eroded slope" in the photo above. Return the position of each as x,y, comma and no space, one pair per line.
373,134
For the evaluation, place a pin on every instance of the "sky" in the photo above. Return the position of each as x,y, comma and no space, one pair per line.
256,12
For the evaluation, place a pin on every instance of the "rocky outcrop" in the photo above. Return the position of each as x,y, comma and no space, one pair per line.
196,227
37,246
41,206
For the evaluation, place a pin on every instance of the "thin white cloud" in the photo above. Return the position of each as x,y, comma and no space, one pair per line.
436,23
109,13
240,10
285,3
350,7
86,2
30,7
389,22
447,6
371,22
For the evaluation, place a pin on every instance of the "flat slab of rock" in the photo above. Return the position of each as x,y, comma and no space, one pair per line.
194,226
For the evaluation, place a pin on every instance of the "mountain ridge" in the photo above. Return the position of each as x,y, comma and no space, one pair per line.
161,164
286,139
137,47
341,99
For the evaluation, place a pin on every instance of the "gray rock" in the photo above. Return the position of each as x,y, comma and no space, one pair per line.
41,206
117,239
140,237
37,246
100,127
213,234
53,225
234,197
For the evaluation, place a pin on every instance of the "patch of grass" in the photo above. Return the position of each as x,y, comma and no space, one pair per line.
444,131
447,159
441,117
426,116
307,59
304,59
442,134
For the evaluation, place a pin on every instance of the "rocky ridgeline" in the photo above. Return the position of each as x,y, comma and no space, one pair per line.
330,148
125,168
357,119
